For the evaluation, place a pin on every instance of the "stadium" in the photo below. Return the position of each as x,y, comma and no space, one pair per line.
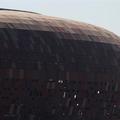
57,69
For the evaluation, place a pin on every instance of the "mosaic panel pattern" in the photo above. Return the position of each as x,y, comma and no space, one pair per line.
57,69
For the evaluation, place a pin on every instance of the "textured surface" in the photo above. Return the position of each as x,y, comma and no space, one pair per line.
57,69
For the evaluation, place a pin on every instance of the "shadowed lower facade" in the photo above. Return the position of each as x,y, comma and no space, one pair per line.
57,69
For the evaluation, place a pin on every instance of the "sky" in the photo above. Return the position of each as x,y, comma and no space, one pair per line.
103,13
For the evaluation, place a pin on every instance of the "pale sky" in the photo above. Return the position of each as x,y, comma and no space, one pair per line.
104,13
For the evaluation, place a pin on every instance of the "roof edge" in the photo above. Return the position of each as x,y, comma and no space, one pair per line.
17,10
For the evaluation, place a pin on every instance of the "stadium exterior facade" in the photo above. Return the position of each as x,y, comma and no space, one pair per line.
57,69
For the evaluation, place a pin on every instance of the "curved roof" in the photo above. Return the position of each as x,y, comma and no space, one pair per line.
17,19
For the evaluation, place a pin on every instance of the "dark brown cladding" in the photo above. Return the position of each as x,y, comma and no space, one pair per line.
52,68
